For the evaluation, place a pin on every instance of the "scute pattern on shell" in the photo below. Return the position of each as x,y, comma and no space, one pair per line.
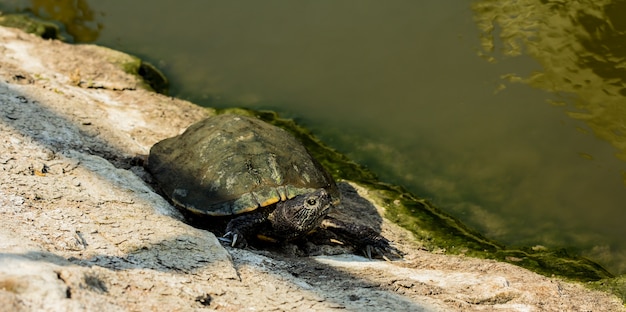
231,164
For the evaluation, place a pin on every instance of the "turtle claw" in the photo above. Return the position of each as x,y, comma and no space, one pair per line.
233,239
390,252
384,250
224,240
368,251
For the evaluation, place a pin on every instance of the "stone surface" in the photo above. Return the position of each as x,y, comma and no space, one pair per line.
81,231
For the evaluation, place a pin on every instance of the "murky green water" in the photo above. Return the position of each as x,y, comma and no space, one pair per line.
507,114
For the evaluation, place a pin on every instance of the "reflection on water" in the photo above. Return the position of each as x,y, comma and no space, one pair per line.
581,46
399,87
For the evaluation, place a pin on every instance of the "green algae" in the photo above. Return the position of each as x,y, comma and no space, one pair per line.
434,229
32,25
153,79
616,285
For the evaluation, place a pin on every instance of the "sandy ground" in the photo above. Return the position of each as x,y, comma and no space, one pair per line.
80,230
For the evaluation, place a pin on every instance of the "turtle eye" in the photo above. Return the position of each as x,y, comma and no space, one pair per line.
311,201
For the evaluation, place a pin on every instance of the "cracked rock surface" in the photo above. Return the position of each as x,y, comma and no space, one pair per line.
80,230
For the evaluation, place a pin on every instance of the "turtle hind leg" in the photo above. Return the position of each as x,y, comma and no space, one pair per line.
363,237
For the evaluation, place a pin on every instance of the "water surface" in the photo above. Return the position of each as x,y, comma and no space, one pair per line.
507,114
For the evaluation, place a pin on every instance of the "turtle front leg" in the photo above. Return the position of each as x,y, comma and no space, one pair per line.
363,237
241,228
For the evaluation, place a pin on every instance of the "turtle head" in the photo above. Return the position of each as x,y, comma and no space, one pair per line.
300,215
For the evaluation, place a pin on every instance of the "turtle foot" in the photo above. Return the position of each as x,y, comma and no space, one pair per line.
382,249
364,238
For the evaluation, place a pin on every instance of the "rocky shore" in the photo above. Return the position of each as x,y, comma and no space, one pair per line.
81,230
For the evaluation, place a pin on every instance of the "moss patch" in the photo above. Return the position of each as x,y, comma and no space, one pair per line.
29,24
152,77
616,285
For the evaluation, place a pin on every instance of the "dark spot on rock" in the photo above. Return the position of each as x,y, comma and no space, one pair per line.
68,290
22,79
93,282
204,300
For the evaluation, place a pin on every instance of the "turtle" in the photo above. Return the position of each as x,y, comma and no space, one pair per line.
257,176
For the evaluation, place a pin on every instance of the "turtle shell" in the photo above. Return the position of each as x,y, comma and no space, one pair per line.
232,164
